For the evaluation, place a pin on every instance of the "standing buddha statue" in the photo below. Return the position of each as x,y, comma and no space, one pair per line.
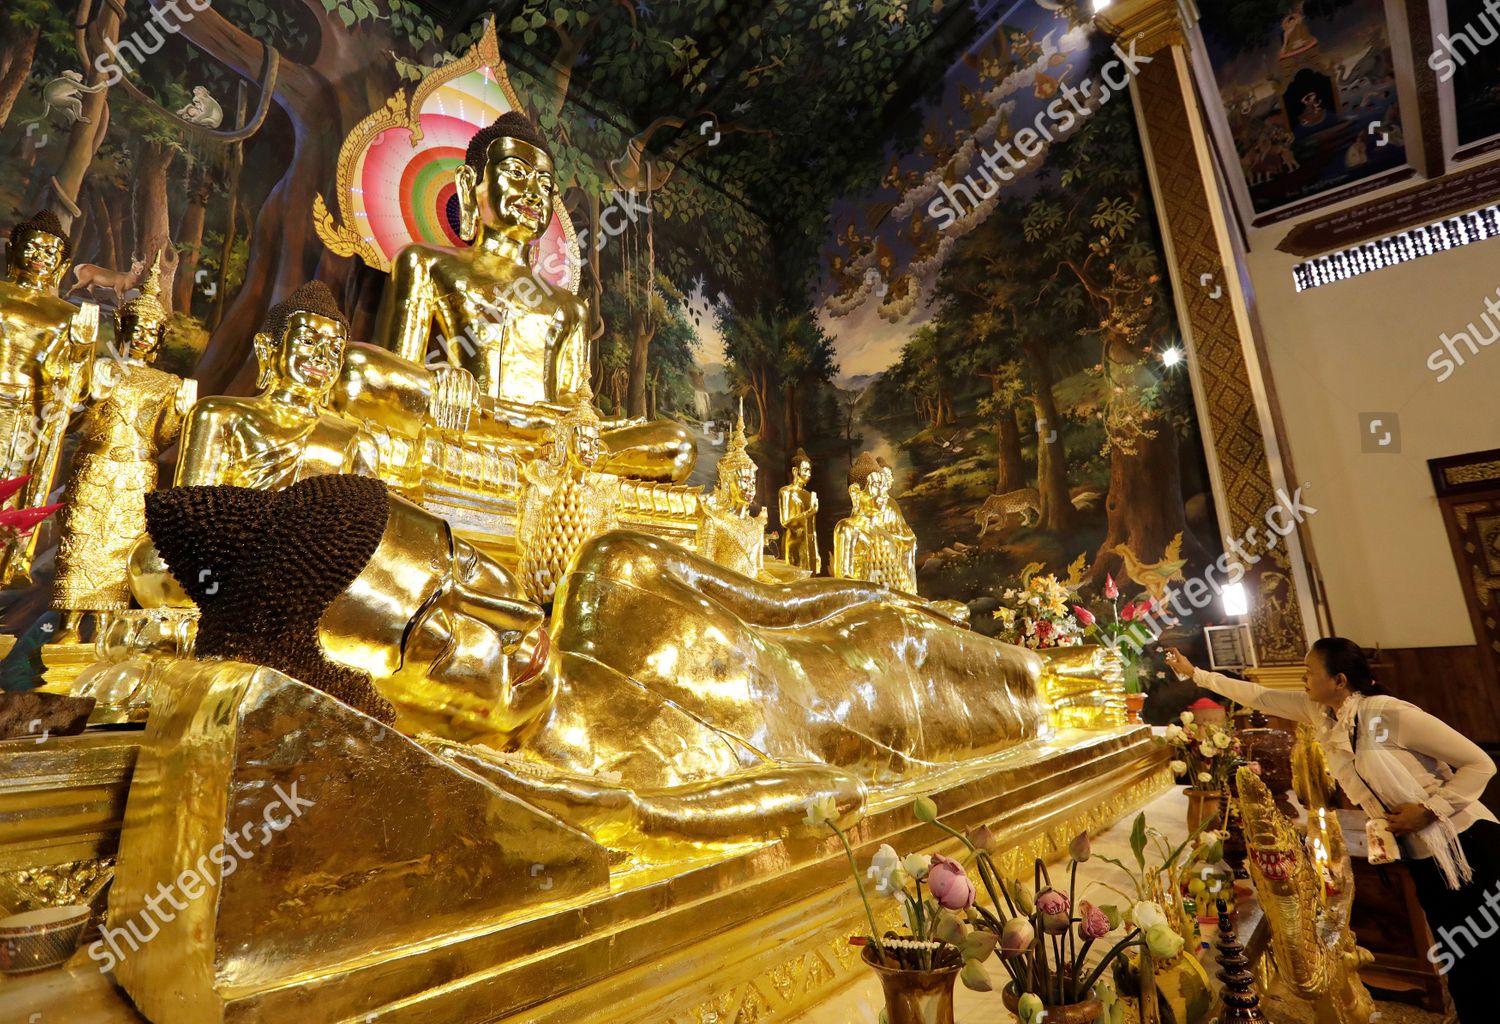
135,412
45,347
798,507
284,434
874,543
513,342
564,501
727,533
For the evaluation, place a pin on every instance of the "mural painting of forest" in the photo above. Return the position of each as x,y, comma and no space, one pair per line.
1475,82
788,152
1309,90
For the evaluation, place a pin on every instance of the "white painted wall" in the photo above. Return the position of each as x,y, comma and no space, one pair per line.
1362,346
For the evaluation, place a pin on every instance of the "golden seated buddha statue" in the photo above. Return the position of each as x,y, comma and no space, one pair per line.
46,346
513,343
874,543
727,533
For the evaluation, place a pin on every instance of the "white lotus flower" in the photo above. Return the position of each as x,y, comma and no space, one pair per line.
1145,914
885,871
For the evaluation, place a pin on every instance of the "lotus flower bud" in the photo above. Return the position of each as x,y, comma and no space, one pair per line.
984,839
949,929
925,809
978,944
950,884
1030,1008
917,865
1080,848
1021,893
1016,937
1163,942
975,977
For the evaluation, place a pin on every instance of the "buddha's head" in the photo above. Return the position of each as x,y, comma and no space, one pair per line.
736,486
576,439
141,324
868,484
357,592
506,180
300,346
801,468
38,252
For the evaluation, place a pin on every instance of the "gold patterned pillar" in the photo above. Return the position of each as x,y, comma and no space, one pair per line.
1231,388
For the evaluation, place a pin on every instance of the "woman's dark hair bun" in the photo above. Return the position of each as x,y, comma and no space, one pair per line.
1342,656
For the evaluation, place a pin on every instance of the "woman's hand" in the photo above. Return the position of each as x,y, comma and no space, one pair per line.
1177,662
1409,818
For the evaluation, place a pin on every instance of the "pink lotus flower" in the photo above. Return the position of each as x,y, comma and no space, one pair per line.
1093,923
1084,615
1110,590
950,885
1127,614
1050,901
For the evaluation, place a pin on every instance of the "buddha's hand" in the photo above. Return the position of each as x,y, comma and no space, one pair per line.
455,393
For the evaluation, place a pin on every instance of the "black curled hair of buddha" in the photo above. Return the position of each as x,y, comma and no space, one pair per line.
798,457
45,221
312,297
263,567
513,125
864,467
1341,656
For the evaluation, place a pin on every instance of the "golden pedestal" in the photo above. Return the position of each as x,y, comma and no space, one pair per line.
409,890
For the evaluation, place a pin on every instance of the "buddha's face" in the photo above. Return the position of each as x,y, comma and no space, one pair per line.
515,193
586,448
309,357
879,486
443,629
801,473
140,337
35,258
742,486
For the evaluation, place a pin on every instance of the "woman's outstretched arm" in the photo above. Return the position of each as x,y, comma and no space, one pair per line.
1281,703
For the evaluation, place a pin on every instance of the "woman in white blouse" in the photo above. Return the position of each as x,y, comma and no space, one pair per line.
1398,762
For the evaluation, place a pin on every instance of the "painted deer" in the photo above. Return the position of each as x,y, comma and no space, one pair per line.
87,276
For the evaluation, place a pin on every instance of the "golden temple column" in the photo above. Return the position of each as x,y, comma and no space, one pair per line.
1248,460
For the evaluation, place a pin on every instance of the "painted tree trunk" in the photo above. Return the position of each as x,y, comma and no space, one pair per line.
190,244
1144,507
154,162
84,139
1051,456
18,55
1010,471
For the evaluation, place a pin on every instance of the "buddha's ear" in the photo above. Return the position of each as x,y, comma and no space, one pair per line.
265,357
467,181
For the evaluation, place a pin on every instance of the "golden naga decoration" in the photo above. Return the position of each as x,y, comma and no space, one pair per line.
285,433
135,412
875,543
798,508
564,502
46,344
727,533
513,343
1306,897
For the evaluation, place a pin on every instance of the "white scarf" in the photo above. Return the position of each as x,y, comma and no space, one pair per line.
1389,783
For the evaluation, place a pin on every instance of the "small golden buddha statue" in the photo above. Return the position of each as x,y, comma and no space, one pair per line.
727,533
875,543
135,412
671,698
513,342
46,344
564,502
798,507
285,433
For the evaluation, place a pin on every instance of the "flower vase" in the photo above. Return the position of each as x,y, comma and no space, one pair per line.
1134,703
916,997
1204,805
1086,1012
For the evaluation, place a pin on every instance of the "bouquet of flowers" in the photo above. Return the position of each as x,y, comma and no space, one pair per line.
1036,614
1205,753
1125,632
1188,869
